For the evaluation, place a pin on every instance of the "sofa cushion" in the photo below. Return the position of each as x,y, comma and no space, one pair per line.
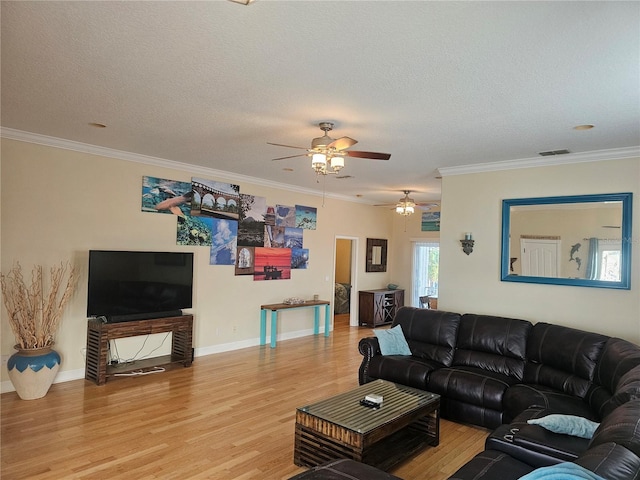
566,424
534,445
465,412
628,389
491,343
611,461
392,341
522,396
411,371
562,358
344,469
431,334
622,426
618,358
491,464
471,385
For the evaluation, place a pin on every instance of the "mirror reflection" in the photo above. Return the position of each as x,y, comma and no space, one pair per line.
568,240
376,256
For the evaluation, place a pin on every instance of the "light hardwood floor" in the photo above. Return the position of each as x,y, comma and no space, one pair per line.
229,416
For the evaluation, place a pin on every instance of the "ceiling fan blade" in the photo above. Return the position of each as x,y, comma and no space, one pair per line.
385,205
288,146
342,143
290,156
370,155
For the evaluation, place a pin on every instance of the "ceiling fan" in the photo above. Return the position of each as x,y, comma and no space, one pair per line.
327,155
407,205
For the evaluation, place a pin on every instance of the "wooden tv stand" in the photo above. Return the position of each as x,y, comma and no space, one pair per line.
99,334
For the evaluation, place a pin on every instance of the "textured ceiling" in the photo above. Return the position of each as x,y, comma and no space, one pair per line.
435,84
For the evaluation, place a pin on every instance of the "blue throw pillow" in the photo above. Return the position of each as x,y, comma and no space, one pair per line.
392,341
562,471
567,424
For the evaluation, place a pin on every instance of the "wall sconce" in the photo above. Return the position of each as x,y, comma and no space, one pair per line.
467,243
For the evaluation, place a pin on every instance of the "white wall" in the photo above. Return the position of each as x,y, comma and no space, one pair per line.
58,204
472,203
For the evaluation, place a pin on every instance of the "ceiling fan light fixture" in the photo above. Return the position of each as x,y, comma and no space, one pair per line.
319,162
404,210
337,163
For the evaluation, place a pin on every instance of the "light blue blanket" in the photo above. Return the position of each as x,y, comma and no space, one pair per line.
562,471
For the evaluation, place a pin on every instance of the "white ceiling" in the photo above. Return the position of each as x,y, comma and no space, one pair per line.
435,84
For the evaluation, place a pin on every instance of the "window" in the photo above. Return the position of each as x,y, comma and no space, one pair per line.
609,253
426,258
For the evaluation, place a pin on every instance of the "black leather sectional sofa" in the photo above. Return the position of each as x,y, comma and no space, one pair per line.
499,372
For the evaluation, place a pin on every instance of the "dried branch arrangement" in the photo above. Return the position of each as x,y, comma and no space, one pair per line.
35,315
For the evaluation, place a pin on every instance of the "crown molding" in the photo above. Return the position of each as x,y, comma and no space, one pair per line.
28,137
553,160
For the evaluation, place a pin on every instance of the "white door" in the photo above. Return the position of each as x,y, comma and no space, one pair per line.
540,257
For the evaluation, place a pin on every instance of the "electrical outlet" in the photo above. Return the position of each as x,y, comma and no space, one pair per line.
235,329
4,359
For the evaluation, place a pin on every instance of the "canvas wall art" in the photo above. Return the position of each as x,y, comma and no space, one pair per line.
196,231
274,236
285,216
251,225
215,199
299,258
223,242
430,221
245,261
306,217
292,237
160,195
270,217
272,264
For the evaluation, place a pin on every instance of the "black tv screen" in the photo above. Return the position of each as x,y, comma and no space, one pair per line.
136,285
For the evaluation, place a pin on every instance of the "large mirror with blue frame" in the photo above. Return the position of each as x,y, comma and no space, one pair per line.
580,240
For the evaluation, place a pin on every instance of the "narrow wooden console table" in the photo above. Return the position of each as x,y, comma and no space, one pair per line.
99,334
275,307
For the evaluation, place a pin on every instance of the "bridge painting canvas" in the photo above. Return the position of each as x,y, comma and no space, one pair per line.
272,264
215,199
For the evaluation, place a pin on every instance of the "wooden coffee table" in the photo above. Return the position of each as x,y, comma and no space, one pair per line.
339,427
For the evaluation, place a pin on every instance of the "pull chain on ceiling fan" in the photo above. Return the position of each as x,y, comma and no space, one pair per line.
327,155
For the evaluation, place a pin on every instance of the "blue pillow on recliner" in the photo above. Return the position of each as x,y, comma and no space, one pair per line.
567,424
392,341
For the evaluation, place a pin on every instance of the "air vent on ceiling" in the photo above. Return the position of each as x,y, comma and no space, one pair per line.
554,152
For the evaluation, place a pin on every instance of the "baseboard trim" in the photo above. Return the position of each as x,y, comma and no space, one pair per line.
70,375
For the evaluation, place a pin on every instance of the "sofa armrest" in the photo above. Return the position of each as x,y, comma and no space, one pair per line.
368,348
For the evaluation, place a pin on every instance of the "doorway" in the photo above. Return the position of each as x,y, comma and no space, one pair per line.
426,263
345,291
540,257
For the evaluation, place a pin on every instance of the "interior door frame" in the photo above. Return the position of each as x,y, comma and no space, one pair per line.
355,248
555,242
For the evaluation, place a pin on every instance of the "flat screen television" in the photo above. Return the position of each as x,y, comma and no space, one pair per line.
126,286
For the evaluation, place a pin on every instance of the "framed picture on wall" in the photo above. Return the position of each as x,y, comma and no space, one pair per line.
376,255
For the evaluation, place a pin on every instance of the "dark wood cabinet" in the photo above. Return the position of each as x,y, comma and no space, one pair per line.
378,307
